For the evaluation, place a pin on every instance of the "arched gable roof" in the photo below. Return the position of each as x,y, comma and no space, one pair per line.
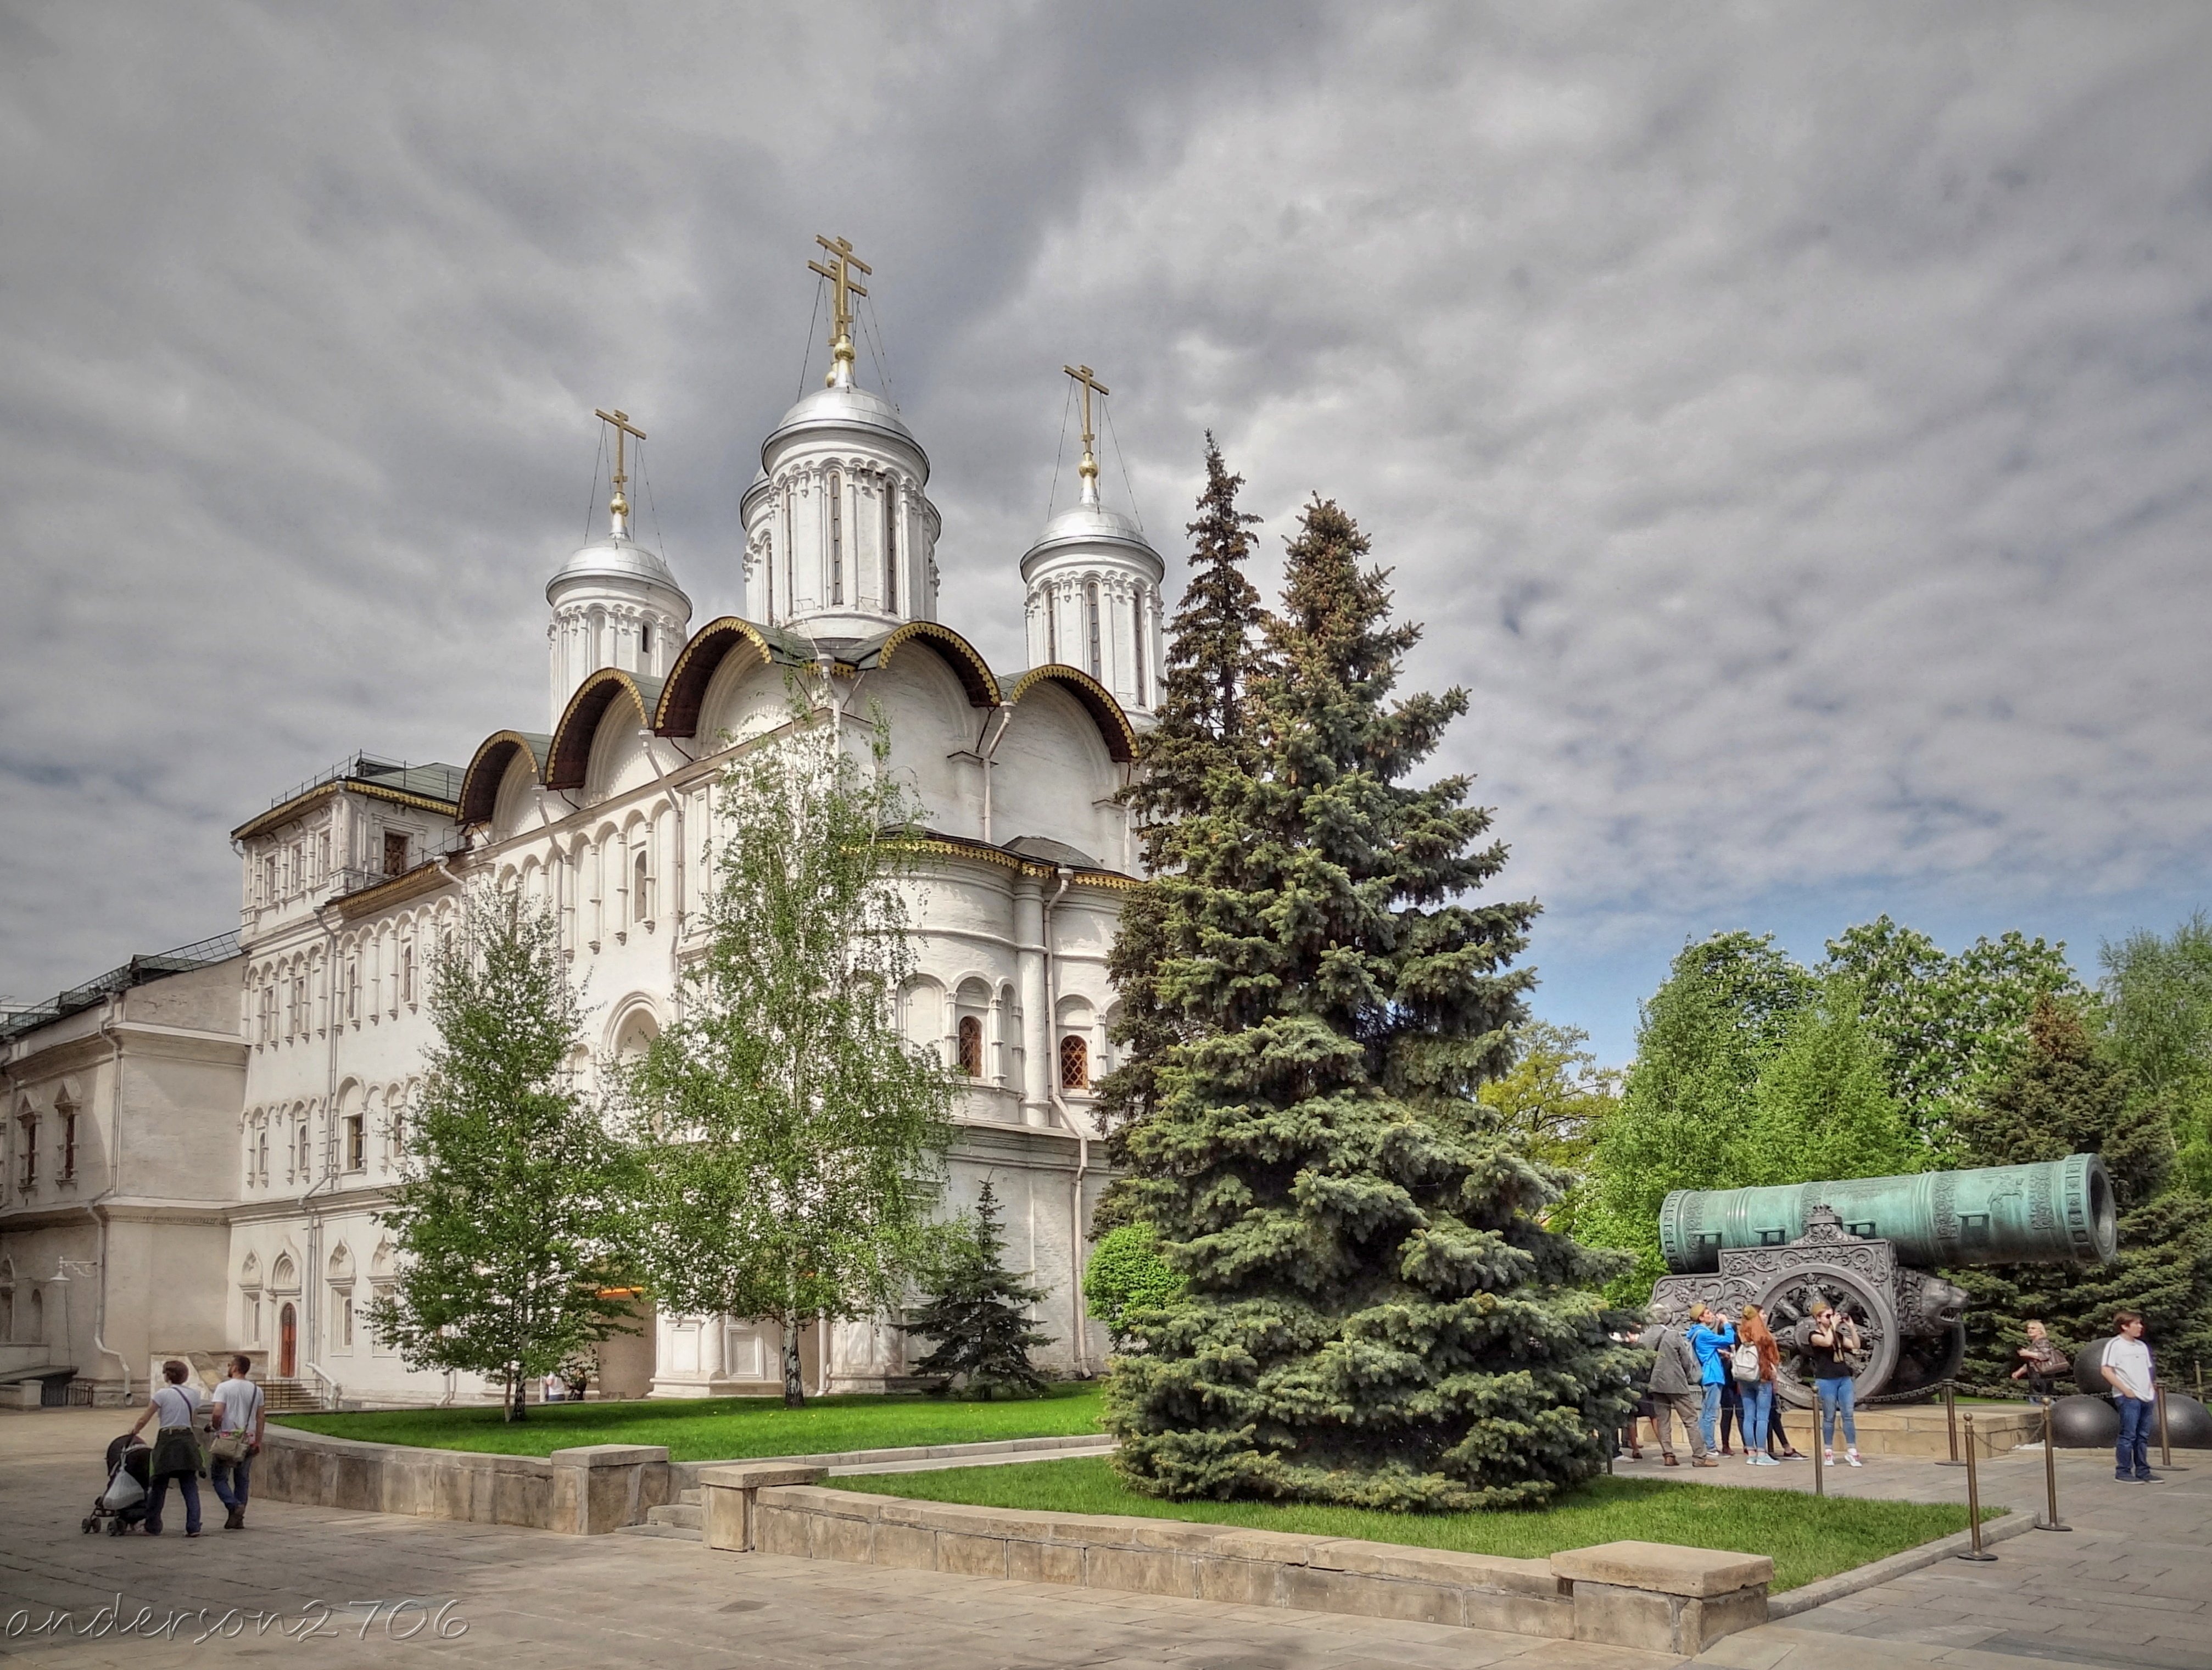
949,647
1114,726
487,770
580,721
677,713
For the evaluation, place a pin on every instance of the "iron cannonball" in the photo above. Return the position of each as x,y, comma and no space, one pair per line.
2089,1368
2085,1422
2188,1424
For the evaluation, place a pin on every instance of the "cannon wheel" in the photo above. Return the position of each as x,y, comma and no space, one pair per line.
1923,1366
1787,1301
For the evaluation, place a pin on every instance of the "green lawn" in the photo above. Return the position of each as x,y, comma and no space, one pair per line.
725,1428
1809,1537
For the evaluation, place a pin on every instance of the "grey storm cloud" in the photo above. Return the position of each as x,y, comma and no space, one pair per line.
1791,422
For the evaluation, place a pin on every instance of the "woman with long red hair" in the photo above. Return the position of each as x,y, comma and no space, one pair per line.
1758,1395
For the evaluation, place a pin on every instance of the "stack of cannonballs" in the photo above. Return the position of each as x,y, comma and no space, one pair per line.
2089,1421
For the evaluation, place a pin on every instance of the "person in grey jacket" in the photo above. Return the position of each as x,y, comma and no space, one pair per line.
1675,1390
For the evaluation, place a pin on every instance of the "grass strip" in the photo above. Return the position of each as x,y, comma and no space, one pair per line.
1808,1537
723,1428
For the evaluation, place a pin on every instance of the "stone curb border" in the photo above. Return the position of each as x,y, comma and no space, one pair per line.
1874,1572
587,1491
1655,1596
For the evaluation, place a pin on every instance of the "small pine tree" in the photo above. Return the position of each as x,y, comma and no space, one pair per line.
2064,1099
1376,1315
976,1316
506,1214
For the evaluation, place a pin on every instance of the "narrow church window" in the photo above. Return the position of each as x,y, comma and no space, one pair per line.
407,972
641,888
645,641
971,1045
836,539
269,878
298,867
395,851
1137,637
261,1157
1051,628
891,552
1092,599
69,1142
357,1141
1075,1063
26,1177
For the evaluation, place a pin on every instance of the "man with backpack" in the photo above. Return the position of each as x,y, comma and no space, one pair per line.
1674,1375
1710,1338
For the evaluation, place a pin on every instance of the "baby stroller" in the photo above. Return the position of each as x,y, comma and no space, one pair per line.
123,1503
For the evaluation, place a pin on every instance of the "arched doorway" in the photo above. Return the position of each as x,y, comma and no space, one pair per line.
288,1343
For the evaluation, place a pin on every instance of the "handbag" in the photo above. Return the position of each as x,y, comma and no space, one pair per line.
230,1447
1744,1361
123,1491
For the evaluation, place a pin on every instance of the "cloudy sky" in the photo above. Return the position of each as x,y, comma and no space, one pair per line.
1791,420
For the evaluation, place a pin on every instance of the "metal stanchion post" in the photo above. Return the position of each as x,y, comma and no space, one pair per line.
2165,1450
1819,1446
2050,1521
1951,1425
1973,1502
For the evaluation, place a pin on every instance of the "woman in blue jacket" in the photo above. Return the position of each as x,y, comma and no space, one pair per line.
1711,1336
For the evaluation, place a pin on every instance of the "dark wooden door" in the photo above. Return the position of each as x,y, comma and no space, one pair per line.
288,1343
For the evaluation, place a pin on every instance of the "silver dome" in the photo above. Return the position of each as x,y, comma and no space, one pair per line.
847,408
1090,524
615,557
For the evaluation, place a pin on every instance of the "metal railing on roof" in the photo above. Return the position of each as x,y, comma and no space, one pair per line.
434,781
137,971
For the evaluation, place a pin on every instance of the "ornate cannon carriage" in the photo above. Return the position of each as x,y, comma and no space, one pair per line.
1870,1246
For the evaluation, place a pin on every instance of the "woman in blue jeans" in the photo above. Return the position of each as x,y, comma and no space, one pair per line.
1757,1395
1832,1339
176,1447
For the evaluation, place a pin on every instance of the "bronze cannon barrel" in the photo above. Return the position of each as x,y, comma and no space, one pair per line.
2057,1212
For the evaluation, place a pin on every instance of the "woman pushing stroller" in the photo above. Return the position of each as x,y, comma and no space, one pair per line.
174,1409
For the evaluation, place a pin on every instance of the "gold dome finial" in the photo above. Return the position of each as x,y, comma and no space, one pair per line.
844,264
618,506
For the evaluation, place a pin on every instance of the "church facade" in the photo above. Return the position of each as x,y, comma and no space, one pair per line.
605,817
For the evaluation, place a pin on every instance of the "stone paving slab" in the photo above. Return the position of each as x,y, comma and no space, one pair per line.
536,1598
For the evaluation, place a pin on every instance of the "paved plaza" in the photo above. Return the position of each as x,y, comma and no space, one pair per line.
2132,1589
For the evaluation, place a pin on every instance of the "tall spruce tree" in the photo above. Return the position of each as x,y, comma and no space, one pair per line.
2064,1099
1376,1315
1201,729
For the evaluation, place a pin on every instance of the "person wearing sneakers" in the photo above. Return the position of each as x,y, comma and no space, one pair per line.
1831,1340
1754,1361
1673,1378
1710,1338
2127,1368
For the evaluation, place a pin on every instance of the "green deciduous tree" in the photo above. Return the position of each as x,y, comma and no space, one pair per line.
789,1144
505,1217
1376,1313
977,1312
1555,1097
2157,1010
2063,1098
1949,1027
1126,1274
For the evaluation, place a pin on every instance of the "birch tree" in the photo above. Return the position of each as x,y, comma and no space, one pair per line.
789,1142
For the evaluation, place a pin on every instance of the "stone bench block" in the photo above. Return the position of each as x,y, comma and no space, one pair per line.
728,1492
1664,1566
1662,1598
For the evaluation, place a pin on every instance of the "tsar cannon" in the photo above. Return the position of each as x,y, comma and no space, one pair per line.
1870,1246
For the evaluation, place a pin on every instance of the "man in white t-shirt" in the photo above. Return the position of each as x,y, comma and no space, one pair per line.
239,1413
2127,1367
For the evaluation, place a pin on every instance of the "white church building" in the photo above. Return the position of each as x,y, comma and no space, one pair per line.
196,1148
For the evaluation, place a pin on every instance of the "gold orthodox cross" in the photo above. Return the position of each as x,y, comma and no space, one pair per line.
624,429
844,264
1084,374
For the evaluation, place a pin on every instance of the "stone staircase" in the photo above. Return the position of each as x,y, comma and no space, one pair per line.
289,1397
683,1519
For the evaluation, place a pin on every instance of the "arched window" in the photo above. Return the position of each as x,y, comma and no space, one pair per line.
837,537
971,1045
356,1142
1075,1063
641,891
1091,598
67,1114
407,972
27,1174
891,551
261,1157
